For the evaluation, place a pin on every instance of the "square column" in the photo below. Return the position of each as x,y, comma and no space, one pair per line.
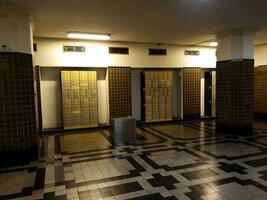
18,129
234,82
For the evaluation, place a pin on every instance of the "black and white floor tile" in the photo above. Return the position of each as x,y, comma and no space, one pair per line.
169,161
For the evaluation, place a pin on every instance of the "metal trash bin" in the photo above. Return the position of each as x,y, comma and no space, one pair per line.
122,130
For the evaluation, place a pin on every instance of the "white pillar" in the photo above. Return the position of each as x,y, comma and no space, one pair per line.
234,81
18,131
16,29
235,45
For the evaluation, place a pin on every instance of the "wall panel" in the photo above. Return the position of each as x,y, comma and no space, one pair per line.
119,81
18,130
191,93
260,91
234,95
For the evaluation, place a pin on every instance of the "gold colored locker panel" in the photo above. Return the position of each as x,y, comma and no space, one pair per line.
79,98
66,98
158,95
75,99
84,92
93,104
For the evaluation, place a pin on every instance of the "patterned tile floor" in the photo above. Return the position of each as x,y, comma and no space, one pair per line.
169,161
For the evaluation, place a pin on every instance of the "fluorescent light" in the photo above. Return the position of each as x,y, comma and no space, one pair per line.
89,36
213,43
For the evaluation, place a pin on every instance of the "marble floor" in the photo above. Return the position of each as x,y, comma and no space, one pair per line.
169,161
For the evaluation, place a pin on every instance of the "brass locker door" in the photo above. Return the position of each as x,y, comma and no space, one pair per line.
93,98
148,95
66,99
158,95
155,95
75,99
84,92
79,98
168,95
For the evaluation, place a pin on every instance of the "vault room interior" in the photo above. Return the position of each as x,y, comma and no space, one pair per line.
133,99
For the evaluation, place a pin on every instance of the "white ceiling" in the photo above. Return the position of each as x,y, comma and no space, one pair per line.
186,22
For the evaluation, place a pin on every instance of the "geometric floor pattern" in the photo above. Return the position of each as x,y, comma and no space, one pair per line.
169,161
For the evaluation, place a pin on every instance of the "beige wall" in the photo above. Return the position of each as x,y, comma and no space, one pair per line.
51,98
16,29
260,55
50,53
52,102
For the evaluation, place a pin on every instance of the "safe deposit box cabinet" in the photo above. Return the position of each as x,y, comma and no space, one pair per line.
79,99
158,95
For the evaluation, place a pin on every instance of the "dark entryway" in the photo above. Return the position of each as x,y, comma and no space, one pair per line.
143,106
208,93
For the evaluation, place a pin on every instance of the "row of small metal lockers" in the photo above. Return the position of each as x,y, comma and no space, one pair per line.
80,94
80,97
158,96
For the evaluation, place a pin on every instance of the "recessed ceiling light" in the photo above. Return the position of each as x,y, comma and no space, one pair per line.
89,36
213,43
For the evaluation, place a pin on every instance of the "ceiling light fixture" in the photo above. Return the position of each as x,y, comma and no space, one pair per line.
88,36
213,43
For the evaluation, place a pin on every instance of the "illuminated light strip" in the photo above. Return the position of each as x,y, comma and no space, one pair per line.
89,36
